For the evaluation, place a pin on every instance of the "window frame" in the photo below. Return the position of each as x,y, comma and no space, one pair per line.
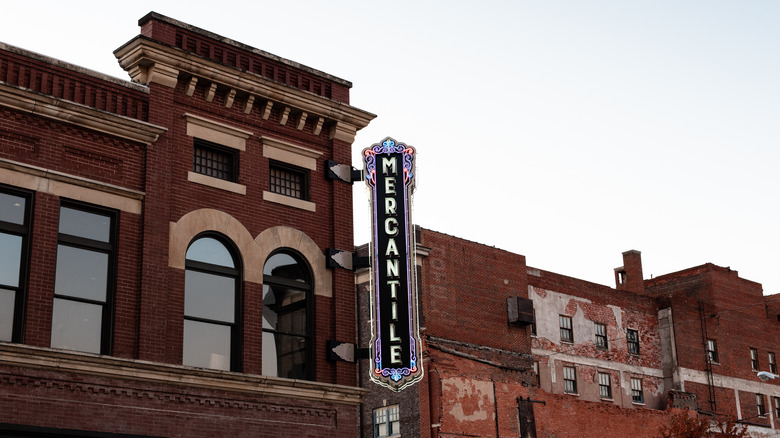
712,351
232,153
22,230
601,342
387,413
565,325
304,174
222,271
605,385
536,373
776,400
760,405
308,287
772,363
111,249
754,364
569,381
635,351
637,391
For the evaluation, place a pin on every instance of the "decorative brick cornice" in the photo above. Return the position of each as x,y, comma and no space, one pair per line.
144,59
76,114
51,360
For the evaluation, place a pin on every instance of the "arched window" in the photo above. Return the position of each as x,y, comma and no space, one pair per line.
211,302
286,316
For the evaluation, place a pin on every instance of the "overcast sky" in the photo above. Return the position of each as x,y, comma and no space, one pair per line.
566,131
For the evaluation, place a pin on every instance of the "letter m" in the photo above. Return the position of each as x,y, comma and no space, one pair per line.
389,165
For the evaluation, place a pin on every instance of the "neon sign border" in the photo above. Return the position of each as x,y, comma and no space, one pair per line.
391,376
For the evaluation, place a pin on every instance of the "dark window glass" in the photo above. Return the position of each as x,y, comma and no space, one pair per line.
754,359
10,259
211,303
85,224
387,422
289,180
566,331
637,394
15,207
569,380
633,341
605,386
712,350
81,314
760,405
286,328
214,160
601,336
772,363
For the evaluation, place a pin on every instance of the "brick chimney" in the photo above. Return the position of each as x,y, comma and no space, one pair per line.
629,276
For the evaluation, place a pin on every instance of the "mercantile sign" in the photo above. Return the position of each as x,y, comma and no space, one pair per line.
395,342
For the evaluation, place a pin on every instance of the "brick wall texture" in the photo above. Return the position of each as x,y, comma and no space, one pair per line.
88,145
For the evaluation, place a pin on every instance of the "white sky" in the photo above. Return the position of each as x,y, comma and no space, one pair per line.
566,131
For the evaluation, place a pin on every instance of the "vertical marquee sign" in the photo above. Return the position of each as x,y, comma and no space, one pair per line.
395,343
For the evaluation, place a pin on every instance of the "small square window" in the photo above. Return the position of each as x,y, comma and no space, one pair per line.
754,359
601,336
605,386
566,331
632,337
216,161
637,394
289,180
712,350
387,422
569,380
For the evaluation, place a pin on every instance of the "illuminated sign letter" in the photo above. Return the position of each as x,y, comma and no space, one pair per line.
395,341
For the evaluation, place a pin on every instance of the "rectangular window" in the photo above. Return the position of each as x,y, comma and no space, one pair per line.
637,395
712,350
536,373
760,405
777,406
289,180
569,380
216,161
566,332
15,207
83,288
754,359
601,336
772,363
632,337
605,386
387,422
533,326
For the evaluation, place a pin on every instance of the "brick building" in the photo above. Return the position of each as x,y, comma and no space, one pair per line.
163,243
719,331
588,358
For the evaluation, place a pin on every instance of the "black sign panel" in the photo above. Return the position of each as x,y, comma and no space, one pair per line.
395,343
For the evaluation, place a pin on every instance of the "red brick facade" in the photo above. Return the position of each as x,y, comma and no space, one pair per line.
69,136
628,377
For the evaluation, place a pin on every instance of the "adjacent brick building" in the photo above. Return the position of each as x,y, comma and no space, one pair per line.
164,243
590,360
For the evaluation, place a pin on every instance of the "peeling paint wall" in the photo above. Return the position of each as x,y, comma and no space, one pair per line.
587,304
